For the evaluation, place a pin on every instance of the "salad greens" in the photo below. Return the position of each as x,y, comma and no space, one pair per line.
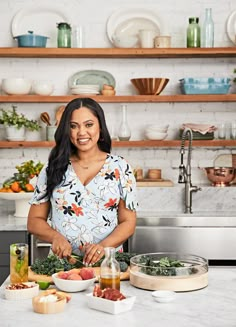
165,266
53,264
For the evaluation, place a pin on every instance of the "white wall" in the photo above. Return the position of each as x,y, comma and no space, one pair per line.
93,15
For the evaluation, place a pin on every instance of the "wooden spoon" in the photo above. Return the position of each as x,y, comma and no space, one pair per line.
58,114
45,118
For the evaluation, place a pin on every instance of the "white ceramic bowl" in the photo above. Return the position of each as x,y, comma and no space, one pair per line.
157,128
72,285
128,41
163,296
110,306
153,135
18,86
22,294
43,87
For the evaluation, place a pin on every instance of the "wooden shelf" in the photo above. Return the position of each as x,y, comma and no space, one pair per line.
125,144
117,52
119,98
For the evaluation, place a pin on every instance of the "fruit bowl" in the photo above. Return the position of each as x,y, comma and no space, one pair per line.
21,202
72,285
149,86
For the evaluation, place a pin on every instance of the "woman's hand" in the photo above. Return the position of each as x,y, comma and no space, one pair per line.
61,247
92,253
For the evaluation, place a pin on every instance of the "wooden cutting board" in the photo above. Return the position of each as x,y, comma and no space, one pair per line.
147,182
32,277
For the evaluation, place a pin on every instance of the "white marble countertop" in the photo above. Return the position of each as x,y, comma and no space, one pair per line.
212,306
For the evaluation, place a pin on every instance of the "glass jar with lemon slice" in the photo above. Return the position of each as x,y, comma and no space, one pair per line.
19,258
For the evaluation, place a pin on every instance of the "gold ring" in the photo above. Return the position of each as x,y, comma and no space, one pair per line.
98,252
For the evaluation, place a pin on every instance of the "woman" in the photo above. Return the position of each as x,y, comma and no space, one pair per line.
89,193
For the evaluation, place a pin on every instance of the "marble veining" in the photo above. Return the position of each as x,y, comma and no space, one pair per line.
211,306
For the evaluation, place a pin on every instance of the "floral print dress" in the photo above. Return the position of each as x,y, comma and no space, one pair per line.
89,213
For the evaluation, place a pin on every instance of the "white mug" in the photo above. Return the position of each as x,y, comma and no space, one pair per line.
147,38
162,42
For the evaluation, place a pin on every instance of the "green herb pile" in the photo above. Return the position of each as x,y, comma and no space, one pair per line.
53,264
164,266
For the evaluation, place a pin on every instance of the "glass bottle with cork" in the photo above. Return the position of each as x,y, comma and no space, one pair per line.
207,37
110,270
193,33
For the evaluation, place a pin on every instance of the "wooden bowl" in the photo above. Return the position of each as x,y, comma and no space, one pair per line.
149,86
49,307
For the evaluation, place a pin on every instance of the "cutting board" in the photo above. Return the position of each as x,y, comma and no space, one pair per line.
147,182
32,277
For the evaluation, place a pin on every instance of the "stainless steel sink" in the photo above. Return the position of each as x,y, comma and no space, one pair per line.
211,236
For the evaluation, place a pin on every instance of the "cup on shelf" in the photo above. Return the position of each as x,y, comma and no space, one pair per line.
50,131
221,131
147,38
233,131
162,41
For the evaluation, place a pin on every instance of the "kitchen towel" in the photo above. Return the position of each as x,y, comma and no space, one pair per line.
201,128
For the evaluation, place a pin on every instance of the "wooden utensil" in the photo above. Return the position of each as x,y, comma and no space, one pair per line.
58,115
45,118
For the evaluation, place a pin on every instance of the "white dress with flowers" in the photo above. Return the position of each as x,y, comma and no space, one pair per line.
89,213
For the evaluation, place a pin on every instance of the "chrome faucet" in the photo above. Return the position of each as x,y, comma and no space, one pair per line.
185,172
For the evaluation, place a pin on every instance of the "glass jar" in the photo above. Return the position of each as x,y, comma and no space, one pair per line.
110,270
63,35
124,133
193,33
207,38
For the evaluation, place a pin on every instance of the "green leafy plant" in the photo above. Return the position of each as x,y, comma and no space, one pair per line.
13,118
234,79
33,125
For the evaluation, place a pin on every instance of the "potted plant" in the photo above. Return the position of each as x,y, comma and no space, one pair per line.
15,124
33,130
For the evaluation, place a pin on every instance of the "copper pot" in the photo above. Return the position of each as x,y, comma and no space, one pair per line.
220,176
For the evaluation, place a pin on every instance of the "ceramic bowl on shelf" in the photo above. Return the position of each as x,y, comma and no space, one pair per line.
153,135
157,128
42,87
16,85
149,86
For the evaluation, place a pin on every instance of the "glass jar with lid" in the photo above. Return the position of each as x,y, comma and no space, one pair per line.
64,35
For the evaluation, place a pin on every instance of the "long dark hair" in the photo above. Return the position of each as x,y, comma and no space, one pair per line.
59,156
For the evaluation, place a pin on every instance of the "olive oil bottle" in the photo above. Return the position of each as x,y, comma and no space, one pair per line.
110,270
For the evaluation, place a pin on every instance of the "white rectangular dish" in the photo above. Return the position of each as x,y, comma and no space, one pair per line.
109,306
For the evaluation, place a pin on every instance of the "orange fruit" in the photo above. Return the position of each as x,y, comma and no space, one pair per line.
29,187
16,187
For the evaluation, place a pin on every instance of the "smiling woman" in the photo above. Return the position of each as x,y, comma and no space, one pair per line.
89,193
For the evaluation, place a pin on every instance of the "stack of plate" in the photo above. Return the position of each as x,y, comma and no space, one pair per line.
91,89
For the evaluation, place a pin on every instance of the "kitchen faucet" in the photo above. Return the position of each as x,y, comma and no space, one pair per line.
185,172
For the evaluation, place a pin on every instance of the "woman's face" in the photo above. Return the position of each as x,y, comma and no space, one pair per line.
84,129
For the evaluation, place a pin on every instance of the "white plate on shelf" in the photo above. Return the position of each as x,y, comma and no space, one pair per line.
231,26
41,19
129,21
92,76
